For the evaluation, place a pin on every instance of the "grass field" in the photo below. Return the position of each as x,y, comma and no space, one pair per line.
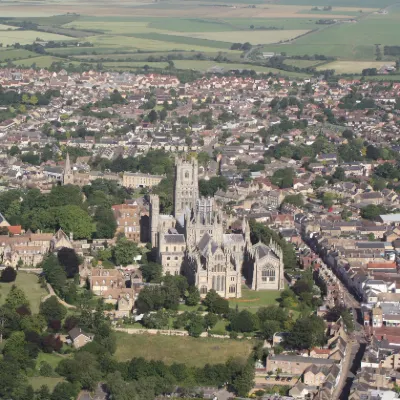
41,61
51,359
190,351
203,66
25,37
347,41
29,284
252,300
15,54
353,67
302,63
141,27
7,27
253,37
38,381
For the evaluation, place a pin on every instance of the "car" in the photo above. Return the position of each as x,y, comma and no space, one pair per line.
277,378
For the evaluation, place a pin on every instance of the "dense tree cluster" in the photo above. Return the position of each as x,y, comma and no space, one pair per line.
64,207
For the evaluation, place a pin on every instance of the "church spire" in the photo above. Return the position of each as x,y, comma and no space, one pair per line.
67,169
68,176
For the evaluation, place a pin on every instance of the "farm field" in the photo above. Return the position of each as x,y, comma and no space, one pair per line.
26,37
348,41
303,63
203,66
188,350
7,27
254,37
29,284
353,67
147,44
40,62
140,29
15,54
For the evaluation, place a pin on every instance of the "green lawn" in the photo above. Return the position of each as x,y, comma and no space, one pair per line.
188,350
252,300
29,284
52,359
38,381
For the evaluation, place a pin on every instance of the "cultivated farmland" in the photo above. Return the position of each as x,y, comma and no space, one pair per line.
199,34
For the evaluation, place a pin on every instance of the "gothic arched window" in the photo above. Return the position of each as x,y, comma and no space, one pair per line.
232,289
187,175
203,290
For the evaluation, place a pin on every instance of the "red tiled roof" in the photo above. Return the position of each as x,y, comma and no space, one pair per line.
377,265
15,229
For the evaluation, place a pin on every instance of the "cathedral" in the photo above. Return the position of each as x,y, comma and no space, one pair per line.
195,242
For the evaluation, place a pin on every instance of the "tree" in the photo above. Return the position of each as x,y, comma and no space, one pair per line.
318,182
243,382
215,303
152,116
73,219
45,369
52,310
269,328
151,272
16,298
193,296
43,393
283,178
65,391
51,343
295,199
196,326
372,211
210,320
306,333
125,251
244,321
339,174
69,260
150,298
8,274
15,349
105,223
54,273
158,320
203,158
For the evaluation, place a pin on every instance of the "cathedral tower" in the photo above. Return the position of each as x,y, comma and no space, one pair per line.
186,185
68,175
154,217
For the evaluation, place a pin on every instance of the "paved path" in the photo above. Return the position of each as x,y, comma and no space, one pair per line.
53,293
346,365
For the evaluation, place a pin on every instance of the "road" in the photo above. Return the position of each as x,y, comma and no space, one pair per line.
356,343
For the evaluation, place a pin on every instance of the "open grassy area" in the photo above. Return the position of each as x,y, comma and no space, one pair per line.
353,67
50,358
29,284
15,54
26,37
40,62
302,63
188,350
252,300
38,381
206,65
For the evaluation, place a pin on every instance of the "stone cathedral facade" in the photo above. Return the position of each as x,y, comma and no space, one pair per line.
195,242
